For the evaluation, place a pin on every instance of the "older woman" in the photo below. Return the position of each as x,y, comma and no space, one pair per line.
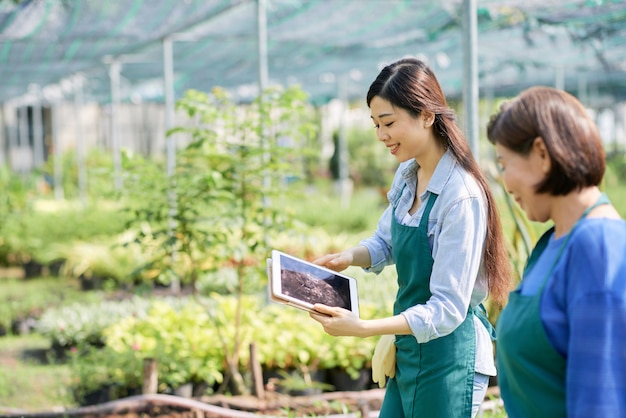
562,336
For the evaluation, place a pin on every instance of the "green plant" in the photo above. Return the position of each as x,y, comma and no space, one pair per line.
494,408
83,323
300,380
288,340
353,354
319,212
41,230
177,333
93,369
15,203
369,164
99,174
213,210
111,259
194,350
26,300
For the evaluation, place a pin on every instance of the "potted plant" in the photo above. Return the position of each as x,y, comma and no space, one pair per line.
180,338
103,374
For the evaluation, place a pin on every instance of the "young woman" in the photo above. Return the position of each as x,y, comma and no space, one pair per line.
562,336
442,231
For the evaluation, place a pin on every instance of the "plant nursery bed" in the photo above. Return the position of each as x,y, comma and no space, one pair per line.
330,405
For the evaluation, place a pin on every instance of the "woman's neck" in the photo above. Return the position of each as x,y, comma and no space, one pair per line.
567,210
428,163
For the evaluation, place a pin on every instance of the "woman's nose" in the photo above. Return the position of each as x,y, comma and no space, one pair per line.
382,135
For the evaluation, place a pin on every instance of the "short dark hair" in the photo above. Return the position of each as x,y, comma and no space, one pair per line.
570,135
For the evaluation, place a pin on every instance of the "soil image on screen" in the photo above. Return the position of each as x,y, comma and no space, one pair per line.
308,286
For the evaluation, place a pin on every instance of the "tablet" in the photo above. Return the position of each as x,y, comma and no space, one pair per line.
302,284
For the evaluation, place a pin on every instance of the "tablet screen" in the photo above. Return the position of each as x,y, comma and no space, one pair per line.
307,282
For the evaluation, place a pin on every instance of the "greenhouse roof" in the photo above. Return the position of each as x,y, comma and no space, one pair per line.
45,45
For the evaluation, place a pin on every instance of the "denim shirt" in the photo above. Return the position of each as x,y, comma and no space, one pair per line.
457,228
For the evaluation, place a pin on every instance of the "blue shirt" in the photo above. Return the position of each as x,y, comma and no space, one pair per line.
456,231
583,311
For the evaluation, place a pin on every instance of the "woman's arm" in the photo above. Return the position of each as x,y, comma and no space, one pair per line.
458,255
344,323
593,295
356,256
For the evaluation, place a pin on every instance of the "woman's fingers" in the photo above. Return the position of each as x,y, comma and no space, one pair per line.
336,262
325,309
336,321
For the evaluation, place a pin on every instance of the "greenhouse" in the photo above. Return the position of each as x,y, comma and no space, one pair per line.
153,153
139,53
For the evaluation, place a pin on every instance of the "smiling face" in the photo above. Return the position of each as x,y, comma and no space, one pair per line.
522,174
404,135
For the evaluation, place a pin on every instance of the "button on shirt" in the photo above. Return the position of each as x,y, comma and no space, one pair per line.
456,231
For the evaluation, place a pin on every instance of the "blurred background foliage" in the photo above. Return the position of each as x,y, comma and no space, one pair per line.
89,282
107,258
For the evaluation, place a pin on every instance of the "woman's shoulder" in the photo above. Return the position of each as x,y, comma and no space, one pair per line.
607,230
451,181
597,246
461,185
602,235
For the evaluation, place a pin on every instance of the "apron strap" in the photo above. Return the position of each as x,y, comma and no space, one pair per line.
602,200
482,315
429,205
545,238
536,252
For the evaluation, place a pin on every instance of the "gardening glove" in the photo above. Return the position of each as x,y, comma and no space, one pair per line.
384,360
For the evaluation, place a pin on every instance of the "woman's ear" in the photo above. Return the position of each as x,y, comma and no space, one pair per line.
429,118
541,151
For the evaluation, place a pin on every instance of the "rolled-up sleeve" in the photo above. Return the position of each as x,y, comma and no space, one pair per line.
379,244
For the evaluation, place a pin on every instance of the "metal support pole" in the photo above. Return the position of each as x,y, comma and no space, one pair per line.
345,186
470,74
24,154
38,138
168,91
10,116
263,81
262,36
80,139
57,155
22,126
114,75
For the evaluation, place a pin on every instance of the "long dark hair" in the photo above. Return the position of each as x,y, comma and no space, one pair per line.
411,85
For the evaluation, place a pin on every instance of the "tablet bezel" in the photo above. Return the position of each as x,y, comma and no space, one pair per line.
275,284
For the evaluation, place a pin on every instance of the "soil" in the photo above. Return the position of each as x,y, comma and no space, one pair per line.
333,404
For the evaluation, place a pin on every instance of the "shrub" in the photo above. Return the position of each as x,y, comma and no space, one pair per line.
80,324
28,299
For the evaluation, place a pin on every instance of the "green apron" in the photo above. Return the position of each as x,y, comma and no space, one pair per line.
433,379
531,371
